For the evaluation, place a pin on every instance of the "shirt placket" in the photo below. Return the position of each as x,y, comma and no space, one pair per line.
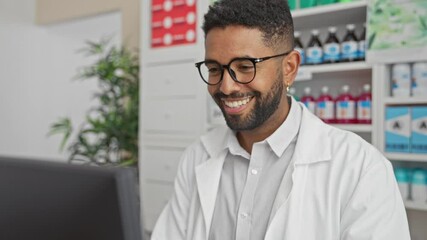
244,216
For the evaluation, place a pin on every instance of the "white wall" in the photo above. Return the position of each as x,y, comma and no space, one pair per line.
37,64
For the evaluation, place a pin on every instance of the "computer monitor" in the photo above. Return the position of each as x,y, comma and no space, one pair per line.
42,200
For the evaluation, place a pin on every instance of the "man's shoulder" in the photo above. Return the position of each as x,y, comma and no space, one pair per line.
358,150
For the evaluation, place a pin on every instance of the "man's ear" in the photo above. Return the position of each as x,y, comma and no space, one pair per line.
290,67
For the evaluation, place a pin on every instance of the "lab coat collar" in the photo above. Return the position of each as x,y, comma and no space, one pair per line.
314,140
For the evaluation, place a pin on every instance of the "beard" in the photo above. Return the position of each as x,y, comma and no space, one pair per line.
264,107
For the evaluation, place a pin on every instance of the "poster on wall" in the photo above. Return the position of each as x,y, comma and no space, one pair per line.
396,31
173,22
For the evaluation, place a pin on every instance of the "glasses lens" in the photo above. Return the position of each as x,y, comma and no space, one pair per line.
210,72
243,69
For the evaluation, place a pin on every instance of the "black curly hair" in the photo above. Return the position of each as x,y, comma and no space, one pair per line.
272,17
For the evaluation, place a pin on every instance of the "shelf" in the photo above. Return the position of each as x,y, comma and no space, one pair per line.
415,205
405,100
355,127
306,72
321,16
410,157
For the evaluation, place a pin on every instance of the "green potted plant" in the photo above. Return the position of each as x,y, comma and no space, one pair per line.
109,136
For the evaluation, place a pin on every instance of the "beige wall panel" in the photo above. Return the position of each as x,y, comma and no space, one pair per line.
54,11
131,23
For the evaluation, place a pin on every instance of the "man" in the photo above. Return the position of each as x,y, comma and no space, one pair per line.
276,171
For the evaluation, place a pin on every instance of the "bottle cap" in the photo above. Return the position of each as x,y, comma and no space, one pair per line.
332,29
307,90
367,87
345,88
297,34
350,27
315,32
325,89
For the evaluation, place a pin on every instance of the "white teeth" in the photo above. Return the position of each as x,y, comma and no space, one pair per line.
235,104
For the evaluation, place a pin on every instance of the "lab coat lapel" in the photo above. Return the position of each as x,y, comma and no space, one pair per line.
313,145
208,175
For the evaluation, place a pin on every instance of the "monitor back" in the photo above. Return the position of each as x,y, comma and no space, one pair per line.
58,201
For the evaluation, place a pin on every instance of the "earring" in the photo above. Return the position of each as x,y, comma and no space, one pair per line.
287,87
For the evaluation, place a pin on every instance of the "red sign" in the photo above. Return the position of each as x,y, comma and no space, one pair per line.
173,22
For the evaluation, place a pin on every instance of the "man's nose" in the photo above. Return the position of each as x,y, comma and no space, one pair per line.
228,85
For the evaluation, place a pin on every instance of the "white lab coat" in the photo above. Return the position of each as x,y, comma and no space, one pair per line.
336,187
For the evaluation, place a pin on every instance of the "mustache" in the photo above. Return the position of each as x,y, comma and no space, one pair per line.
221,95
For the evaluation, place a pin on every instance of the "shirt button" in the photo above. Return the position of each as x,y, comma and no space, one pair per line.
244,215
254,171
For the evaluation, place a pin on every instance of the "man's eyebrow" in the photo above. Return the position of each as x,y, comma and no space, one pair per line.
243,56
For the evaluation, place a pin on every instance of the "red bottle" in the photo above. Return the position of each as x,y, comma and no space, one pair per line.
364,106
309,100
345,106
325,106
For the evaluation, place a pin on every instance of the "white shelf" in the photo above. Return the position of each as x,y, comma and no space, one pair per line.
415,205
405,100
355,127
321,16
306,72
410,157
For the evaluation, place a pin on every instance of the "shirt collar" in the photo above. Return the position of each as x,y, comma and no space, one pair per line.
278,141
286,132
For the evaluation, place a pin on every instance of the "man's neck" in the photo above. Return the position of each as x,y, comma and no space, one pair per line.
248,138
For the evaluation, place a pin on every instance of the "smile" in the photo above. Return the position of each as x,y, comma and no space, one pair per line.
237,103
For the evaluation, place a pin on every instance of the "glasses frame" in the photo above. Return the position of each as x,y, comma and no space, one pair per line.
230,71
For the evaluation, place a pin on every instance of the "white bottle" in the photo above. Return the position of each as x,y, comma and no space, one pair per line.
419,79
419,186
401,80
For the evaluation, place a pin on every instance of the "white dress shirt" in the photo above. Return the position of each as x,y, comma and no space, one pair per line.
249,183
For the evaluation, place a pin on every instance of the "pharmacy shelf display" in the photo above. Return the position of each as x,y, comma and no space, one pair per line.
354,73
399,103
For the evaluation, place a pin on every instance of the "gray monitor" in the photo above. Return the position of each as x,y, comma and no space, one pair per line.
42,200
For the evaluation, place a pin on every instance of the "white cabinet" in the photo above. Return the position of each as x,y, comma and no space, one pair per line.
172,106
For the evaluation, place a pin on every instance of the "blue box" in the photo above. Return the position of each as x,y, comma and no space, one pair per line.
398,129
419,130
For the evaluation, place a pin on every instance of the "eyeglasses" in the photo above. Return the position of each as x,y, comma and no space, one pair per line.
241,70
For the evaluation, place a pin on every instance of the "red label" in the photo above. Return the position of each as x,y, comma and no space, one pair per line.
173,22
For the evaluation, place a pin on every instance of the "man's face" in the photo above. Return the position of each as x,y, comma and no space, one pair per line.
245,106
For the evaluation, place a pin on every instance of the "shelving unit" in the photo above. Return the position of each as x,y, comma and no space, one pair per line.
359,128
329,14
415,206
307,72
410,157
406,101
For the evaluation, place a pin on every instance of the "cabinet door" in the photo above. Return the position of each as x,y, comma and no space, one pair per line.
175,116
154,198
160,164
171,80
